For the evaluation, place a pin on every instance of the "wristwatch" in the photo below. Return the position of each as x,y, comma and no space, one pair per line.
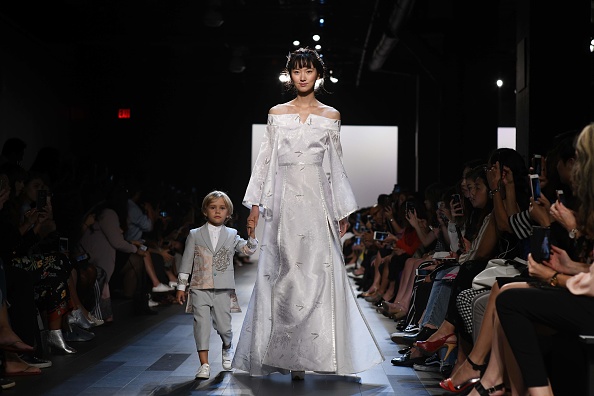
493,192
554,281
573,233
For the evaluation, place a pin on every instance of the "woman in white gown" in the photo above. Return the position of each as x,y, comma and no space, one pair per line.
303,314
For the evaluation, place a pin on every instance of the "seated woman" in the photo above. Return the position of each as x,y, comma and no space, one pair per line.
504,202
473,260
522,308
468,370
30,248
436,240
398,249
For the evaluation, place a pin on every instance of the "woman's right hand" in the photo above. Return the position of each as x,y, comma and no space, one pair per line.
563,215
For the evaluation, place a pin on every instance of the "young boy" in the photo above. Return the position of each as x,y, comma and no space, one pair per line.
206,276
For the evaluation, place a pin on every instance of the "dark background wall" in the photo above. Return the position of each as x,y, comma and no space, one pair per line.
191,117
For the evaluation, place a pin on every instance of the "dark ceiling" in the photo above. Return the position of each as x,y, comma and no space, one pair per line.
188,37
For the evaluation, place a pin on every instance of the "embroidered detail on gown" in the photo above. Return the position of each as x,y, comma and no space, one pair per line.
303,313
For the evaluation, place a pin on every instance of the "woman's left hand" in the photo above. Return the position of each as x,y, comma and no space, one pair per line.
538,270
343,224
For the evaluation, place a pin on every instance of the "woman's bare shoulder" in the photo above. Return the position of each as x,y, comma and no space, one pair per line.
329,112
282,108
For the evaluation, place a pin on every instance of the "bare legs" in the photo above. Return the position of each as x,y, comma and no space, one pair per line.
9,340
150,270
405,288
482,346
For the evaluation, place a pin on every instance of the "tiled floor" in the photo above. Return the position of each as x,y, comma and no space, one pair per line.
155,355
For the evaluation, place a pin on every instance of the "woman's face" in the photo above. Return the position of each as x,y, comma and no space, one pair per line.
304,79
478,192
31,188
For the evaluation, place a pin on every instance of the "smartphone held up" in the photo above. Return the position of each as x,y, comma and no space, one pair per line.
540,243
457,201
380,235
535,186
41,199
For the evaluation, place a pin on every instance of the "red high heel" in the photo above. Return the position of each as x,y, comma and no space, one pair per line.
448,385
433,346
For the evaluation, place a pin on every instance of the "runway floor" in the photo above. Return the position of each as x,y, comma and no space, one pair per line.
156,355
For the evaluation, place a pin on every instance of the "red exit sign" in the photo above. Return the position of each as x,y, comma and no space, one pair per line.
123,113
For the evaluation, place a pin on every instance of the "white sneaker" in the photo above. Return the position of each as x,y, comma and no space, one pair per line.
152,303
161,288
203,372
227,358
173,284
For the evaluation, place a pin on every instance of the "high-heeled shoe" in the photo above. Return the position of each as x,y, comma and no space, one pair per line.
373,297
55,342
432,346
76,317
487,391
398,315
448,385
367,293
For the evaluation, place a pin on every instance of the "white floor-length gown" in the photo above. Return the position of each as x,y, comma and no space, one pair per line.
303,313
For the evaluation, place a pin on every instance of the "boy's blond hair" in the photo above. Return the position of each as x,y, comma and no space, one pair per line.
214,195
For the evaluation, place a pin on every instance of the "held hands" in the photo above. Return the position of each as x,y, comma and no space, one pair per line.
252,221
343,225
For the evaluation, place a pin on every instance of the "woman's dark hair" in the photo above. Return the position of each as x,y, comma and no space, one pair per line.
477,216
305,57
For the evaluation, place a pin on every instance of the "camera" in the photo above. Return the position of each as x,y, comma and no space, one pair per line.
458,200
409,206
41,199
143,247
540,243
380,235
535,186
163,213
63,246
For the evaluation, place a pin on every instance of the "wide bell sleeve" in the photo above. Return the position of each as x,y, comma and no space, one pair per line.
261,185
344,202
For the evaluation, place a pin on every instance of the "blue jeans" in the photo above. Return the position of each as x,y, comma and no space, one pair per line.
437,304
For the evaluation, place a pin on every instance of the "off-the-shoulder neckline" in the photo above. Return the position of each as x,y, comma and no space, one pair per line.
297,115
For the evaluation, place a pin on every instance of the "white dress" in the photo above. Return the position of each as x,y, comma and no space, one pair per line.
303,313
